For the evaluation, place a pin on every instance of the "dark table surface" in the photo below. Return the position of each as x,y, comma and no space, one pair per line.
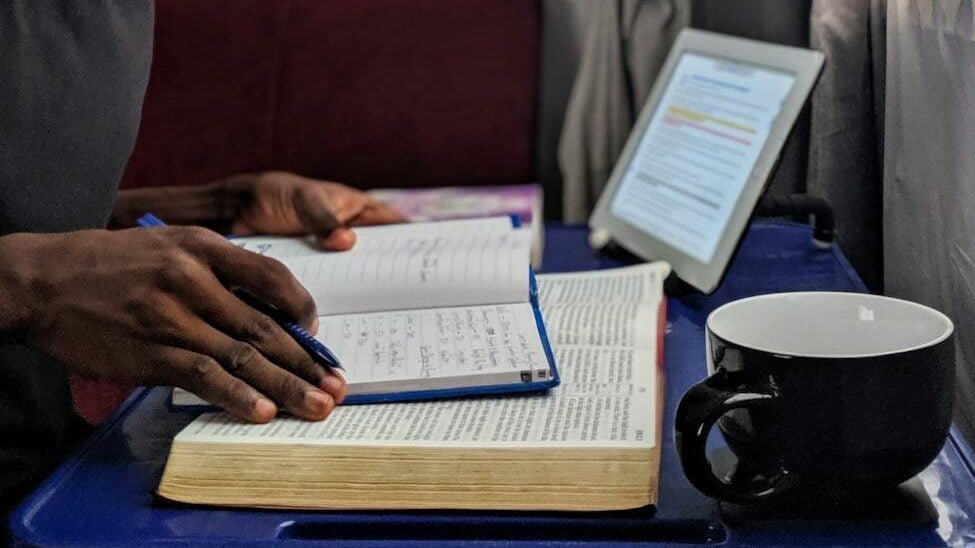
103,494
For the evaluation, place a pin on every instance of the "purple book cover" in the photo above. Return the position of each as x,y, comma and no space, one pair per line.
465,202
436,204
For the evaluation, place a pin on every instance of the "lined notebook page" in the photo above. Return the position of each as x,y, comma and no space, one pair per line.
410,266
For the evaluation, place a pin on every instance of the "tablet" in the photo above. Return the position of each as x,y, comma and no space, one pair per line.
702,151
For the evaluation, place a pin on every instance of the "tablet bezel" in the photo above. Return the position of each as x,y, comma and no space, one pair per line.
804,64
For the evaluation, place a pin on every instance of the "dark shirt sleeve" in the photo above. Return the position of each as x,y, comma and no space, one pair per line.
72,78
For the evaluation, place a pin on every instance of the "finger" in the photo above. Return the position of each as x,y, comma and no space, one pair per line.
262,277
336,386
226,312
344,202
314,211
340,239
377,214
203,376
247,363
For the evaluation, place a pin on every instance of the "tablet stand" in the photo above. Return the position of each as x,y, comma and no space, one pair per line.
802,205
785,205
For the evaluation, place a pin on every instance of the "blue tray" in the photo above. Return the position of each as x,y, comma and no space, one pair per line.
103,495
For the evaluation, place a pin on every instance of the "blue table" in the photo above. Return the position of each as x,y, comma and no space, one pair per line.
104,493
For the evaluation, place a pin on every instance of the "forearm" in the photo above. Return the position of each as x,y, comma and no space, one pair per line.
211,205
16,286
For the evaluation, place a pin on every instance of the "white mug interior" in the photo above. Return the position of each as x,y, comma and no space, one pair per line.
829,324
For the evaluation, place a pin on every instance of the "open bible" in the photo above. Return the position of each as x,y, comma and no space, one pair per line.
593,443
424,310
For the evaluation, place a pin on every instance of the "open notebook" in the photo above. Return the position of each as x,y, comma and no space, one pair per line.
424,310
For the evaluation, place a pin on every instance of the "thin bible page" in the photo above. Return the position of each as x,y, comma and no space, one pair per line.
611,308
606,400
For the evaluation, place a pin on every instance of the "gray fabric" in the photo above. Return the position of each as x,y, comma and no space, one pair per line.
624,45
845,148
73,77
563,22
929,170
70,101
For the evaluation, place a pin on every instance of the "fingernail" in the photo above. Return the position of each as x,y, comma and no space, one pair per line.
335,386
318,402
314,326
337,373
334,379
341,239
265,409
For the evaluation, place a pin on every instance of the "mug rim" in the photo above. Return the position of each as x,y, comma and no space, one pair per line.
949,329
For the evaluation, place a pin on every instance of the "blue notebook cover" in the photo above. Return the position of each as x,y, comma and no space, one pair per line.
527,383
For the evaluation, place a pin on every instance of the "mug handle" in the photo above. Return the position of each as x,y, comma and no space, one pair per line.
697,412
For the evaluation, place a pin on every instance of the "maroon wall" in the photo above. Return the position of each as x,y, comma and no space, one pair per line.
370,92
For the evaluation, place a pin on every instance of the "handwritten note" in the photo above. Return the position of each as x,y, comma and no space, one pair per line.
419,344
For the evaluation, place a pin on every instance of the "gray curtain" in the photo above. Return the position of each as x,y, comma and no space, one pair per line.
563,25
624,44
846,133
929,170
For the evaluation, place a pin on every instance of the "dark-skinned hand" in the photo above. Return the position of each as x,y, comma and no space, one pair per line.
277,202
156,307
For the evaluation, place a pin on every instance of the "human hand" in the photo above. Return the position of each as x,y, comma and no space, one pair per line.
278,202
155,306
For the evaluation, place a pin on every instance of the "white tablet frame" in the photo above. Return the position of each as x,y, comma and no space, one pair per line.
804,64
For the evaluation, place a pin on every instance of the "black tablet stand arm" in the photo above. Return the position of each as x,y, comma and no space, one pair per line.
802,204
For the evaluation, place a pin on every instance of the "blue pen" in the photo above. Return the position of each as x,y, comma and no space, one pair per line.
318,351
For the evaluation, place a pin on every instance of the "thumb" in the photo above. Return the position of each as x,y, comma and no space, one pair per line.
316,216
315,213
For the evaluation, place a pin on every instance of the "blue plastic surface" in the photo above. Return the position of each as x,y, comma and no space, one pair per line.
103,494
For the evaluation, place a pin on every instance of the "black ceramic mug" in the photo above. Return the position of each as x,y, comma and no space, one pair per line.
817,391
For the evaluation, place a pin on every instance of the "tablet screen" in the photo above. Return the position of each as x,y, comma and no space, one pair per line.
698,150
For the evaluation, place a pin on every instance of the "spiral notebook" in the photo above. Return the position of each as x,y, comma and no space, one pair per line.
424,310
